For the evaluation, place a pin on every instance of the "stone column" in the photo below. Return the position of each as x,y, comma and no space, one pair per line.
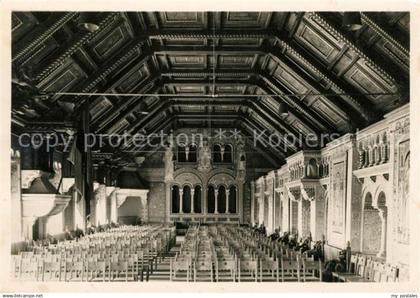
27,224
192,199
270,223
145,207
260,209
371,157
299,218
383,216
239,201
168,201
227,200
181,200
284,225
216,195
317,217
204,196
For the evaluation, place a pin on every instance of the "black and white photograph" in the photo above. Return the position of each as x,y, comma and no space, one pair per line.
214,147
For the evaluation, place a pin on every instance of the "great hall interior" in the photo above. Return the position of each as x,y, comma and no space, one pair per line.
257,146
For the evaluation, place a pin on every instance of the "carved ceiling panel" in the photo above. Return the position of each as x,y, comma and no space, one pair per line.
182,20
109,42
240,19
65,77
184,61
228,54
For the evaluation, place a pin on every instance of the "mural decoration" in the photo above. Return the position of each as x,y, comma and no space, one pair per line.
204,158
403,191
306,218
241,161
337,197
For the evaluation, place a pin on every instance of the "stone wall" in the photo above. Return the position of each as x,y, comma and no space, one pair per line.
157,202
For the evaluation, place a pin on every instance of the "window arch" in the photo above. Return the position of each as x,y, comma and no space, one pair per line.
217,153
232,199
368,201
197,199
312,169
227,155
381,199
175,199
186,199
210,199
182,156
192,154
221,199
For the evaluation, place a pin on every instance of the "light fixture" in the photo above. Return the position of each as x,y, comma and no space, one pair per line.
88,21
352,21
283,111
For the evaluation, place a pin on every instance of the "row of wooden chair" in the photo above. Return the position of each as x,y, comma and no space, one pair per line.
231,251
87,259
366,269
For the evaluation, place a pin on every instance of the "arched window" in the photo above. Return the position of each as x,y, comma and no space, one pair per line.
186,199
210,199
217,153
175,199
227,156
192,155
221,200
232,199
368,201
381,199
197,199
312,169
182,157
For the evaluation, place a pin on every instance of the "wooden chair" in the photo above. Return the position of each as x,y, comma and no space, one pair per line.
309,265
352,269
290,265
29,269
116,269
53,267
74,267
391,273
224,265
271,265
180,264
203,265
250,265
362,271
96,270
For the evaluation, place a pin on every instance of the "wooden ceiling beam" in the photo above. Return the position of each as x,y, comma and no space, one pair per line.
376,62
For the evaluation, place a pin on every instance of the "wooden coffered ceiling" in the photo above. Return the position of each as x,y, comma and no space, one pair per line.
340,80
